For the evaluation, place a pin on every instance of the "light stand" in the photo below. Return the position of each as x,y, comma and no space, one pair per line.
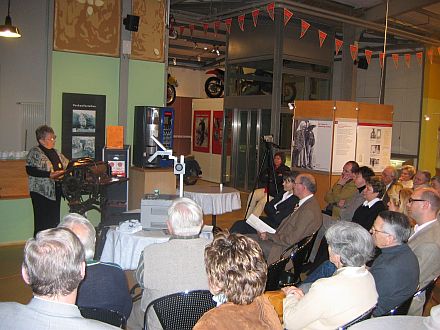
179,166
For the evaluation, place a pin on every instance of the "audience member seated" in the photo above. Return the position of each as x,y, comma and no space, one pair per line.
389,179
396,269
373,205
105,285
398,199
53,267
259,197
398,322
435,183
343,190
276,210
237,277
423,207
302,222
350,292
421,179
347,208
173,266
406,176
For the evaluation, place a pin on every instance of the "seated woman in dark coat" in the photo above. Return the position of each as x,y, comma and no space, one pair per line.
276,210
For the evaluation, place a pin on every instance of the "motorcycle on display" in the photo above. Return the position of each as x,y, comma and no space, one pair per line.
214,86
192,172
171,89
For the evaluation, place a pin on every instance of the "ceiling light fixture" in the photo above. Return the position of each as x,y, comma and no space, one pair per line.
427,117
199,58
8,30
174,61
205,48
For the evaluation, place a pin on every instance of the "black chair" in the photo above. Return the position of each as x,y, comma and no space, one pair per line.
277,276
182,310
104,315
403,308
361,318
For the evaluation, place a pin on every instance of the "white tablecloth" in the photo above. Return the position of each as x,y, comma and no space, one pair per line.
125,249
212,200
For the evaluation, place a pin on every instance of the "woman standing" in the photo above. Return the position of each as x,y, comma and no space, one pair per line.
45,165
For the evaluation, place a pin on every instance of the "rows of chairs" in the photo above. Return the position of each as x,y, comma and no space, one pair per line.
193,304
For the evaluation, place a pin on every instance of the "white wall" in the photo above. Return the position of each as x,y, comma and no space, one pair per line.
22,67
191,82
403,90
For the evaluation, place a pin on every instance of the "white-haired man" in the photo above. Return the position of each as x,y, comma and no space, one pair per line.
173,266
53,267
105,285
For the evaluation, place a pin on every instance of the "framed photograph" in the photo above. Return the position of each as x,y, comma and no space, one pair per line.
83,146
217,132
83,121
201,130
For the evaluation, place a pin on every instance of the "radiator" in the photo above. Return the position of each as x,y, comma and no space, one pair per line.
32,115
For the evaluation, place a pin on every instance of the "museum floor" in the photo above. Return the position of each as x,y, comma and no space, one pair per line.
12,287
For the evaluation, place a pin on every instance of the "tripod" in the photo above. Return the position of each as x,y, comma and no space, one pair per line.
267,158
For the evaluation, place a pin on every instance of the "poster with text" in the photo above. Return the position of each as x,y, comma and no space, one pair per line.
373,146
344,146
201,131
311,144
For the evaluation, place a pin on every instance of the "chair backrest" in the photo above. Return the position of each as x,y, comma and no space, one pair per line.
300,255
182,310
274,272
363,317
104,315
403,308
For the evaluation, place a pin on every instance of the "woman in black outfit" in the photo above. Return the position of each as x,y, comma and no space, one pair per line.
45,165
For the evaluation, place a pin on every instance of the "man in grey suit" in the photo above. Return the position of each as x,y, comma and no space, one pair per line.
53,267
423,207
302,222
173,266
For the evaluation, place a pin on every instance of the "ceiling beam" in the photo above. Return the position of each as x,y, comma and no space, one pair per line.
395,8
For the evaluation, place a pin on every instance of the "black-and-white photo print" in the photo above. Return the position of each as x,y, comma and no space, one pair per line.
84,121
83,146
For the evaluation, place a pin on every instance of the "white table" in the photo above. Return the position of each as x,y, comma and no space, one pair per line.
214,201
125,249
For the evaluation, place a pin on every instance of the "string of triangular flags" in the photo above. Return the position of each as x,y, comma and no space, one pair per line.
305,26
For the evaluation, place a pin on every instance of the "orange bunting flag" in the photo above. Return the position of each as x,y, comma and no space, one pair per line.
395,60
381,59
354,51
181,29
216,27
419,56
322,35
271,10
255,14
228,23
287,16
191,28
430,55
368,54
338,45
205,28
408,60
304,27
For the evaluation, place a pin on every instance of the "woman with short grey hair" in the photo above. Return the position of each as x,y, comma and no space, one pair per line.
350,292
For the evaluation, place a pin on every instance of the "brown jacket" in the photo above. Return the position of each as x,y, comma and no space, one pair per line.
302,223
259,315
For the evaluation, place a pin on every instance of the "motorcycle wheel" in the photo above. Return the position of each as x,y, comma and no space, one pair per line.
171,94
214,87
191,177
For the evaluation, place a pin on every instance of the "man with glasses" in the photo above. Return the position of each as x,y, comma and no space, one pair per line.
423,207
396,269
